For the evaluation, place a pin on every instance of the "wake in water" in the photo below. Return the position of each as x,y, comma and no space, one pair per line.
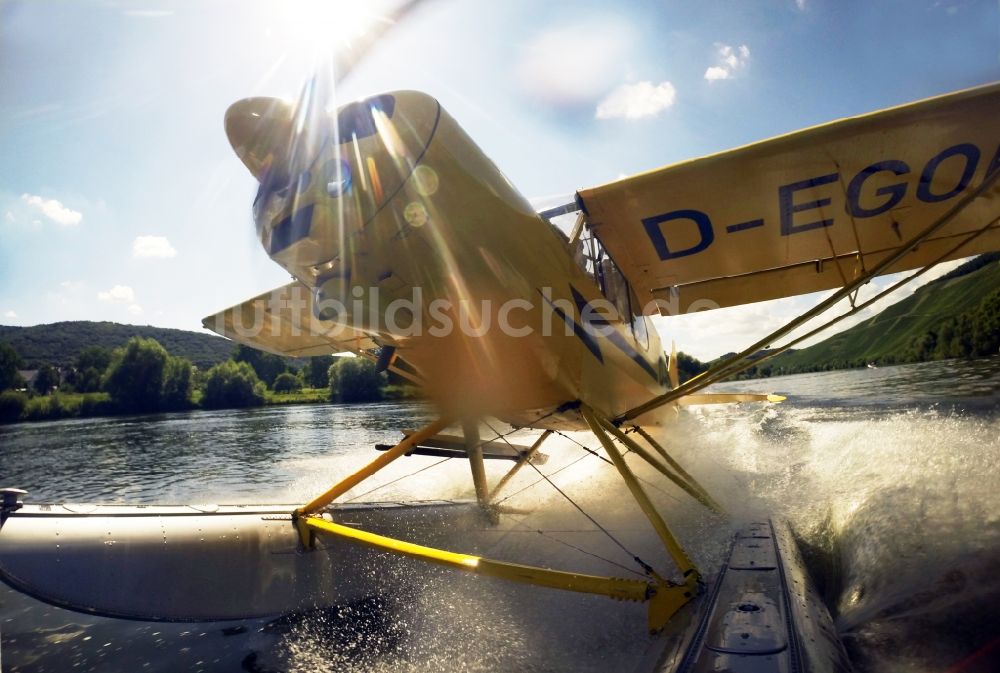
899,515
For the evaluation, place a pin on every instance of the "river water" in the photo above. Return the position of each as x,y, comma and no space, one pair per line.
890,477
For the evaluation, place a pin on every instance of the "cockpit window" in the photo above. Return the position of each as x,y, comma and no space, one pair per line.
358,119
590,255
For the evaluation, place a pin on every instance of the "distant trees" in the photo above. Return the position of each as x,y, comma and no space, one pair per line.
89,367
12,404
317,371
143,377
688,366
968,267
970,334
46,379
177,386
59,344
10,361
135,376
287,382
232,384
267,366
355,380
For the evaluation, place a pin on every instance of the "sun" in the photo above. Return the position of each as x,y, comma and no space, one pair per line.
325,27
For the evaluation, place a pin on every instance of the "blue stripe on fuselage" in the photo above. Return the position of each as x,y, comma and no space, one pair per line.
614,336
585,336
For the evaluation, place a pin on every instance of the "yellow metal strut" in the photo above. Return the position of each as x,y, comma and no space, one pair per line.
339,489
664,598
673,547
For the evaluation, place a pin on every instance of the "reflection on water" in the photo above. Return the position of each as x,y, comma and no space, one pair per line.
888,475
967,385
202,456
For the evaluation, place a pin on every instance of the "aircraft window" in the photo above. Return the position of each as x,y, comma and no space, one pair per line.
585,254
593,259
616,288
357,119
640,331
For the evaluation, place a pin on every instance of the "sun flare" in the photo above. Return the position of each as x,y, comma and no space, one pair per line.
325,26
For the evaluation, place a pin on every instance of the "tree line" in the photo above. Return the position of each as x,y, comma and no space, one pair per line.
60,343
142,377
973,333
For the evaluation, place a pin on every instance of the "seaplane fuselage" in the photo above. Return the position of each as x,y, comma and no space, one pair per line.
401,228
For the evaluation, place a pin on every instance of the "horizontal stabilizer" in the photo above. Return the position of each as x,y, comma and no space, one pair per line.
282,322
727,398
450,446
807,211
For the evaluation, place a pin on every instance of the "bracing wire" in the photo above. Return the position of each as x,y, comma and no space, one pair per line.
436,463
635,557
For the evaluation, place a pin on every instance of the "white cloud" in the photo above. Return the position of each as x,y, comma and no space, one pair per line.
53,210
119,294
9,216
716,72
801,4
135,309
574,65
729,59
708,334
634,101
10,314
152,246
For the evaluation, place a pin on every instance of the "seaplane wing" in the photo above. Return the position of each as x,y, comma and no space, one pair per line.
282,322
807,211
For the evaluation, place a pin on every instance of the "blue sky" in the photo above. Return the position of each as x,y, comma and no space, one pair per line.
120,198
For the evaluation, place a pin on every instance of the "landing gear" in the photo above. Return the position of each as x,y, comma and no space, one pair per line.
664,597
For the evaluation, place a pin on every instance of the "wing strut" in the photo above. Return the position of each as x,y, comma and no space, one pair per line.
740,361
774,352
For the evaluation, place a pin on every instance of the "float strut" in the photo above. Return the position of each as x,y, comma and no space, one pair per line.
664,598
371,468
521,462
473,447
673,547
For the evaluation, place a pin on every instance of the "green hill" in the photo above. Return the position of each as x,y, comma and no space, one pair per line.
915,328
59,343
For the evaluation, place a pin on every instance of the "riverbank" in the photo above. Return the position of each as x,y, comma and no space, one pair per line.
19,407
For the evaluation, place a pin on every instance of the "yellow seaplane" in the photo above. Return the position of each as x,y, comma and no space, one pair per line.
408,246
